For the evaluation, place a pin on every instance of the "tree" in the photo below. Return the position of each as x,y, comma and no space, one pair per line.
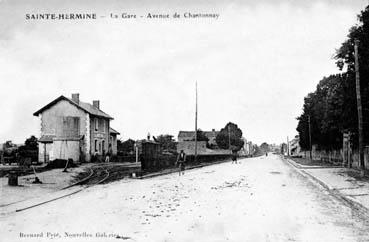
31,143
29,149
167,142
328,112
257,150
264,147
332,106
125,147
230,137
345,57
8,144
201,136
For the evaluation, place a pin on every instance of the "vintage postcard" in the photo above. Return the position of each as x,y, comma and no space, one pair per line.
171,120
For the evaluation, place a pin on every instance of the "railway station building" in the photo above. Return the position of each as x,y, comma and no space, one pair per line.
72,129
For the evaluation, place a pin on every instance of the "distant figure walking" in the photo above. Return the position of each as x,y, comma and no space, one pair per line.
234,157
181,159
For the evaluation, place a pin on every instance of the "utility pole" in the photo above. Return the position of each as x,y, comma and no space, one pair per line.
288,147
136,150
359,109
310,146
229,137
196,127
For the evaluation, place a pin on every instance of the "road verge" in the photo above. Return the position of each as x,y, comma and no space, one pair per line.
360,208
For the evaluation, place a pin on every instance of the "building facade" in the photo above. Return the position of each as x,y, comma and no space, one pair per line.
190,136
114,140
189,147
71,129
294,146
186,142
247,149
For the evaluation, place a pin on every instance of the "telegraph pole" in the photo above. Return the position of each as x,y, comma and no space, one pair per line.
310,146
229,137
196,127
359,109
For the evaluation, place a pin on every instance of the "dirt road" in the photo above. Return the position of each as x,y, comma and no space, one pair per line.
261,199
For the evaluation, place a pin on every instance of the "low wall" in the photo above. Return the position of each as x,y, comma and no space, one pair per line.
207,158
161,162
336,157
167,161
355,158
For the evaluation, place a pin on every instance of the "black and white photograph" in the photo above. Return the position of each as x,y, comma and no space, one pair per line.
180,121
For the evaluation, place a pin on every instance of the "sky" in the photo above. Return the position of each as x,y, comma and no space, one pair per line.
253,65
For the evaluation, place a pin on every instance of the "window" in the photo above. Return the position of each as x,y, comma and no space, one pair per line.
103,146
101,125
96,124
70,126
95,145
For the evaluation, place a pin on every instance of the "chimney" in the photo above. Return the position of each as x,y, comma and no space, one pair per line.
96,104
75,97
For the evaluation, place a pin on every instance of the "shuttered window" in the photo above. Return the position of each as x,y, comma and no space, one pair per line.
101,125
70,126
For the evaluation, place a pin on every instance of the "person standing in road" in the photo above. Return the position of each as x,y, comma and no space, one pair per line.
234,157
181,159
108,154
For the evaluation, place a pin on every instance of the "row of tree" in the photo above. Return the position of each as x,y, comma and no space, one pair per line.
332,107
